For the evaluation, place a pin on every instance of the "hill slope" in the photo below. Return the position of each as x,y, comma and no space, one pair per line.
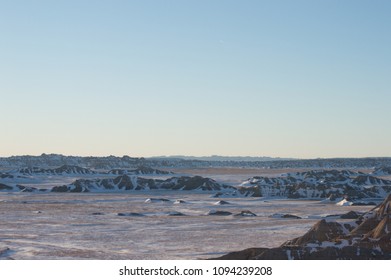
367,237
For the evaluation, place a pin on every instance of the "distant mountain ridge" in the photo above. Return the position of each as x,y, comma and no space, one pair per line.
221,158
126,162
77,170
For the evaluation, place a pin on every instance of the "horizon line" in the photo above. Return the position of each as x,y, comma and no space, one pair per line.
191,156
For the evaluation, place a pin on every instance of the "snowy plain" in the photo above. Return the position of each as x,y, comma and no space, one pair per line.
158,224
87,225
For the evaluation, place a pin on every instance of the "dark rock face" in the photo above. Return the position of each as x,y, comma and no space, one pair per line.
369,237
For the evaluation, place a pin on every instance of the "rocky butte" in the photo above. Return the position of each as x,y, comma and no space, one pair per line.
367,237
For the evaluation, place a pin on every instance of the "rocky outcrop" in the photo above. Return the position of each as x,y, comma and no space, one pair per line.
321,231
318,184
218,213
367,237
221,202
246,213
284,216
62,170
127,183
132,214
186,183
120,183
155,200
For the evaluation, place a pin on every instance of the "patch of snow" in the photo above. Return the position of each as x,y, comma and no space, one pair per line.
328,200
344,202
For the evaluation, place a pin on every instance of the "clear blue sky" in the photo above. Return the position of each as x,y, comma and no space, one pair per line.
299,79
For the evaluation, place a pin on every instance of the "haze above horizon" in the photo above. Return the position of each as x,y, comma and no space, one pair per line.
289,79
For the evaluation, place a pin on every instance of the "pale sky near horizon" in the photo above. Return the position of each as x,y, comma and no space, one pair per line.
302,79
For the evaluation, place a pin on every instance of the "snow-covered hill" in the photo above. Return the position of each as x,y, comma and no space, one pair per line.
312,184
318,184
126,183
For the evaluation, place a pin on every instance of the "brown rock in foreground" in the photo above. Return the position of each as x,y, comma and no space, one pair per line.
368,237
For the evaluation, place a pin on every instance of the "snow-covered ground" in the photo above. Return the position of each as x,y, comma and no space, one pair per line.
87,225
156,224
